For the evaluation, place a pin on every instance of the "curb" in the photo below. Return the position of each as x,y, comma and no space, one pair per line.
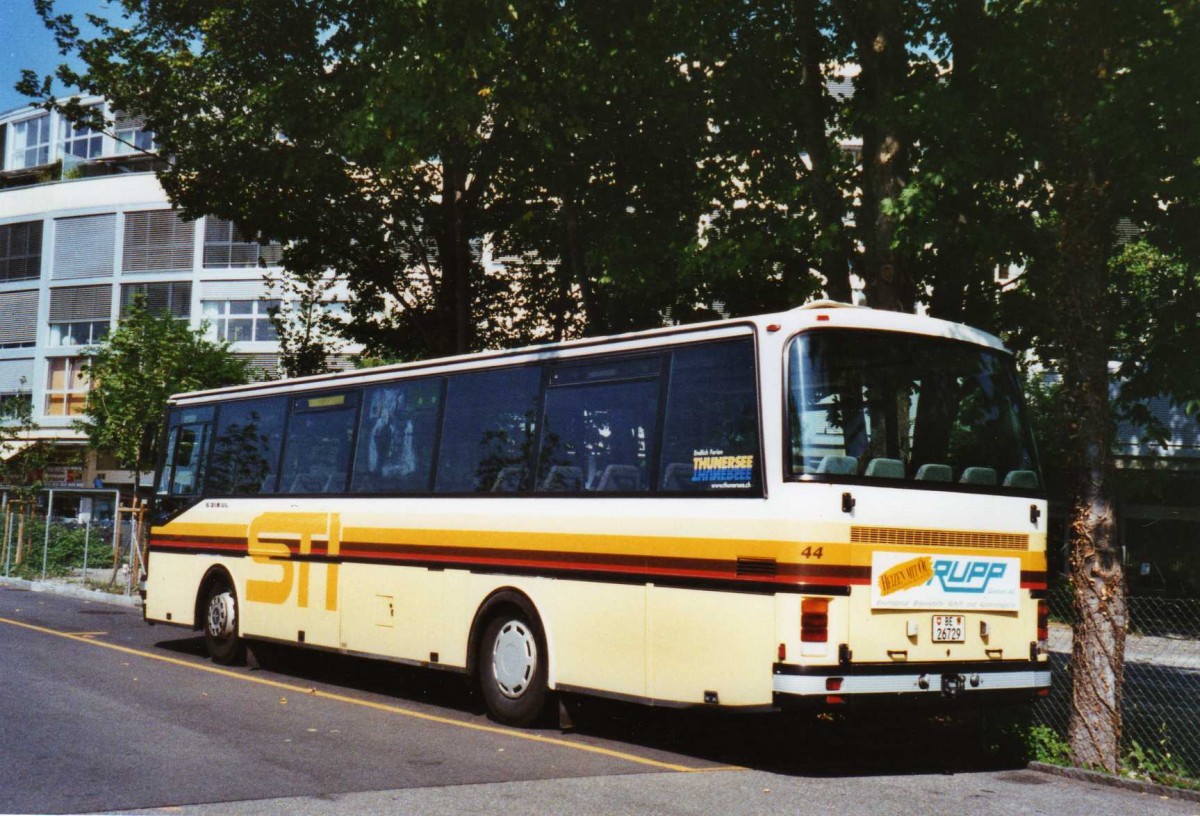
1112,781
94,595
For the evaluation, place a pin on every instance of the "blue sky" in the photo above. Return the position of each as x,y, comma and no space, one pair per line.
26,43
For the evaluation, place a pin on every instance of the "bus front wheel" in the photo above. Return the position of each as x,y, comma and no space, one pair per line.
513,668
221,636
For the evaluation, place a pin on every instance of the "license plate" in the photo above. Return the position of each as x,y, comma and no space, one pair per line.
949,629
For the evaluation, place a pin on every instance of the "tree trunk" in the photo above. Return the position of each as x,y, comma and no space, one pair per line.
879,37
835,249
1098,653
574,259
1078,173
19,557
454,249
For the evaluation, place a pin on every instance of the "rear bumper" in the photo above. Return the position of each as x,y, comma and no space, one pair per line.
919,681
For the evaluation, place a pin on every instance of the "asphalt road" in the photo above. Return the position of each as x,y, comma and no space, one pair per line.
101,713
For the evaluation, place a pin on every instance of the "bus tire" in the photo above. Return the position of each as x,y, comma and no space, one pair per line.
512,667
221,624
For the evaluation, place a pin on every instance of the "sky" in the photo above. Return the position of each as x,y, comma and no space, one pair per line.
26,43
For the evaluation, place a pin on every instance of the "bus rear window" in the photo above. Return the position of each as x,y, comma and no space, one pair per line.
887,406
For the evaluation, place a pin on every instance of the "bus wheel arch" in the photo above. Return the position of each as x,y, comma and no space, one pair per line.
218,616
509,658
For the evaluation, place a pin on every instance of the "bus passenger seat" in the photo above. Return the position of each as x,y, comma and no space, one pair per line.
677,477
978,476
508,479
839,465
935,473
885,469
563,479
1022,479
620,479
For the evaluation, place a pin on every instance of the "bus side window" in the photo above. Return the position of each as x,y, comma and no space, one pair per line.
489,431
186,451
396,435
316,451
600,426
188,476
246,447
710,438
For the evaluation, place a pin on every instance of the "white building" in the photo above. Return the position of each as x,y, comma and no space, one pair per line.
84,225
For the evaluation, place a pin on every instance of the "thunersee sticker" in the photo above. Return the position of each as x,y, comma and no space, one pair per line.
912,581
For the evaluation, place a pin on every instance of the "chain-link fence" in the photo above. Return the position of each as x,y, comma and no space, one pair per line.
54,536
1161,705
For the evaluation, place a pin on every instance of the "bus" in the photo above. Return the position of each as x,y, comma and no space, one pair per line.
829,506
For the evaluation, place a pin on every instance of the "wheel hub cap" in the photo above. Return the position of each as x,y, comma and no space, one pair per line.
221,615
514,658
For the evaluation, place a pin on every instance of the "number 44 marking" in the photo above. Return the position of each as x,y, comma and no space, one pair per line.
811,552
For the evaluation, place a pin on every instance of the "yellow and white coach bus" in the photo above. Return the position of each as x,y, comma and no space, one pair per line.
828,505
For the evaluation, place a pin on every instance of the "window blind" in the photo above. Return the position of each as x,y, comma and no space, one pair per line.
261,366
232,290
21,250
174,297
12,372
19,324
157,241
83,246
80,303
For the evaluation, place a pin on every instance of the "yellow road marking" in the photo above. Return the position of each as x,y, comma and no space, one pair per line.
341,698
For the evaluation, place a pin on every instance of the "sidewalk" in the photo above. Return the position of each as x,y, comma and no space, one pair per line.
64,588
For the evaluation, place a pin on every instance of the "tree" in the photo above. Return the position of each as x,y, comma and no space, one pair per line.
384,141
306,329
23,458
1107,128
133,372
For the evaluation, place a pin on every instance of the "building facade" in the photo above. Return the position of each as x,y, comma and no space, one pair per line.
84,228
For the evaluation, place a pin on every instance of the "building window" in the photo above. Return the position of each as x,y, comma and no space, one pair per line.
66,386
225,247
157,241
174,298
78,332
131,133
21,251
31,142
81,141
240,320
13,404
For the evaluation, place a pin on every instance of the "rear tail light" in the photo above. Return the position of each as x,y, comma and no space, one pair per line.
1043,626
814,627
814,620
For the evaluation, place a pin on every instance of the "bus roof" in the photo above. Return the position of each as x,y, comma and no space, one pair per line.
822,313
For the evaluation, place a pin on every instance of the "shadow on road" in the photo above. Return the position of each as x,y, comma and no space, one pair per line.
882,742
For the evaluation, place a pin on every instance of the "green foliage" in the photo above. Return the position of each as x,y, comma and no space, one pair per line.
65,552
307,331
1157,764
384,140
22,470
1043,744
135,369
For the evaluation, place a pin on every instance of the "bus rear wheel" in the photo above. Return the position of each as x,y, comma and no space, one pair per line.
221,638
512,671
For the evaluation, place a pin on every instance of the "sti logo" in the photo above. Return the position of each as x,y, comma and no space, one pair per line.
966,576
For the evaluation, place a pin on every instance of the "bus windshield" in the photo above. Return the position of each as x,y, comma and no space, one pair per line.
876,405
